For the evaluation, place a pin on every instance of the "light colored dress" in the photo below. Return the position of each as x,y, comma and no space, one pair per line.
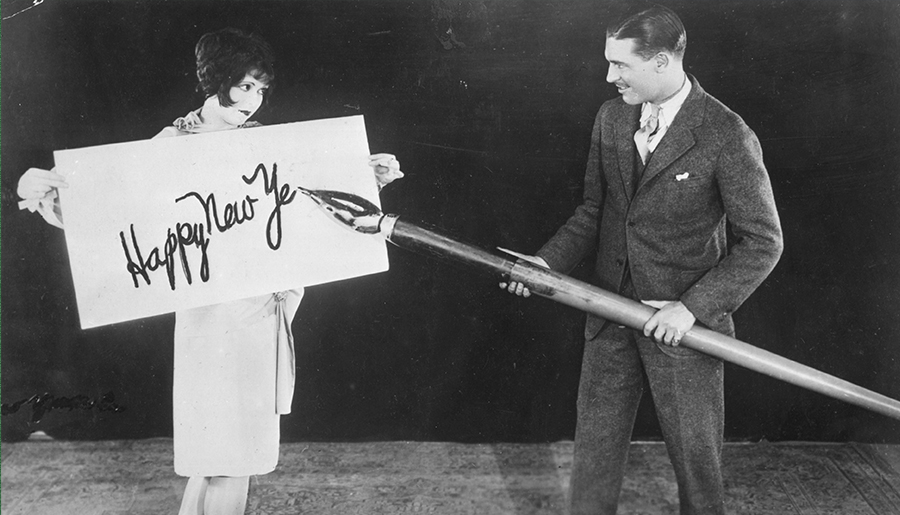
224,387
233,376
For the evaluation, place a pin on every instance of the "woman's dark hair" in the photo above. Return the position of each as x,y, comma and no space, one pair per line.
226,56
653,27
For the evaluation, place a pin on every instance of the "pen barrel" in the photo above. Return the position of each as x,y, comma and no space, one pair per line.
624,311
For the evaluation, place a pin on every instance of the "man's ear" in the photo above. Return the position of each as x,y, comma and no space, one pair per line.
662,62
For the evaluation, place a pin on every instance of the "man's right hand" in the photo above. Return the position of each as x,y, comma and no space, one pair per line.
36,183
518,288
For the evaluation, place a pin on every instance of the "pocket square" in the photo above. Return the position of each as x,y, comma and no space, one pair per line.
682,176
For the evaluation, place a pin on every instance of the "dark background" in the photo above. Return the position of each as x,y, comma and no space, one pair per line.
492,129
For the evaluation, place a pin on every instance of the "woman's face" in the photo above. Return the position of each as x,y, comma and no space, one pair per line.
247,96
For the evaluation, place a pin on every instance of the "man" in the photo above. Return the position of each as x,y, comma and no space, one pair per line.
669,166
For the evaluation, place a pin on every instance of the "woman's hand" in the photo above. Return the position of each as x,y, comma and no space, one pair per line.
387,168
36,183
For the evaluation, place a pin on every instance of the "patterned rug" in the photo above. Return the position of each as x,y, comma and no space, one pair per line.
135,477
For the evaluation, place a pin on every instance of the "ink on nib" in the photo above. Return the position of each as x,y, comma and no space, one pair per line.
347,209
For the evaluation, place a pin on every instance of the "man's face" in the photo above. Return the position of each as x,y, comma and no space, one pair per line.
636,79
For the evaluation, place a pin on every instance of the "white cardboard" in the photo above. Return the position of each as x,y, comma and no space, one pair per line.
163,190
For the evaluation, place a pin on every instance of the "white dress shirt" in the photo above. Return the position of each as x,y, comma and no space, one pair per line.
667,112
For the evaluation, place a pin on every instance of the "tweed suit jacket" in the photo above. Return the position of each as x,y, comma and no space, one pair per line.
670,228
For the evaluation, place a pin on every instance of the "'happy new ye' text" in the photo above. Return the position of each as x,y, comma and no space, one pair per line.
186,235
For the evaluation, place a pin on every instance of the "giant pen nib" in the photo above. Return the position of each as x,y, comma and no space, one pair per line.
347,209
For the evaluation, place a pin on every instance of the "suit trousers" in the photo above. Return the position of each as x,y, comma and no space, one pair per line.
688,392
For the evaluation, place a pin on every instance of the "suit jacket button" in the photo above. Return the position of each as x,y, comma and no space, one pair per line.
620,261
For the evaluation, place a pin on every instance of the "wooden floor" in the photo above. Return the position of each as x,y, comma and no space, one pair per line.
136,478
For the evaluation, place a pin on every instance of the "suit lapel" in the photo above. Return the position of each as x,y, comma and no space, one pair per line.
676,142
679,138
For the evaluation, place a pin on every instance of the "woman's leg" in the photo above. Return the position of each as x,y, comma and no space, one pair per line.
227,495
194,496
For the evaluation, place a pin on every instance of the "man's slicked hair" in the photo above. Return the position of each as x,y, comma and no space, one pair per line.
653,27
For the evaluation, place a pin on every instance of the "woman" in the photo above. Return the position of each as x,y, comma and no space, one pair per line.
226,416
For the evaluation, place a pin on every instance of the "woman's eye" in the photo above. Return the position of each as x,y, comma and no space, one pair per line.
263,91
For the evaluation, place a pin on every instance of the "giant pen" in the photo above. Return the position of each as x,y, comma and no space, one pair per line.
360,215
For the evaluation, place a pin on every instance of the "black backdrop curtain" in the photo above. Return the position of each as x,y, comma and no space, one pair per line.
488,105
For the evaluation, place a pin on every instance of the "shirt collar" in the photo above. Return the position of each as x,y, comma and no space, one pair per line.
669,108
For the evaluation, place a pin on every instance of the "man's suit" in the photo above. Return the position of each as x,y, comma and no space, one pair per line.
660,234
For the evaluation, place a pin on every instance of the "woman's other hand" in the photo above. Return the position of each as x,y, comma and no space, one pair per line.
36,183
387,168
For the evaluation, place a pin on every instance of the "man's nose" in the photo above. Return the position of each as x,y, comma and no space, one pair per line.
611,75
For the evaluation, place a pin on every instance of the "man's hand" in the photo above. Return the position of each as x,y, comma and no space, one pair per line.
670,323
518,288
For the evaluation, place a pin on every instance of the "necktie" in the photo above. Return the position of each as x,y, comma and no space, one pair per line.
643,135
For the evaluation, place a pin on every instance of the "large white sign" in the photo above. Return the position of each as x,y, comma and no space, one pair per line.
172,223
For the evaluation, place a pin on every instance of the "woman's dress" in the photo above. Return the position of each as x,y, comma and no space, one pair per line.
229,361
224,388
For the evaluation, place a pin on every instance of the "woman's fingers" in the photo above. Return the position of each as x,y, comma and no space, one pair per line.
387,168
36,183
